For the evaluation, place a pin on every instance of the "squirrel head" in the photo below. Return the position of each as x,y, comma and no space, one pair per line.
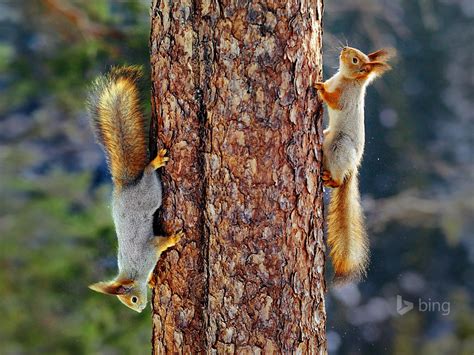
354,64
131,294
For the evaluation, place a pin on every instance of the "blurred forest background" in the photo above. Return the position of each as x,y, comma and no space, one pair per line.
56,231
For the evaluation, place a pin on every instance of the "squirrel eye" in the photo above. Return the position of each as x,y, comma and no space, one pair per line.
134,299
355,60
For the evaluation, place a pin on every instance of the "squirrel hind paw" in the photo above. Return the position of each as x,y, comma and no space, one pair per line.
160,160
328,181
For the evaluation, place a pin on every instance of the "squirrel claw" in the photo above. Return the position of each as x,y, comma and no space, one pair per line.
175,238
162,154
160,159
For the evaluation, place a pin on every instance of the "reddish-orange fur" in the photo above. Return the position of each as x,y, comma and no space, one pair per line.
331,98
115,105
382,55
347,238
118,287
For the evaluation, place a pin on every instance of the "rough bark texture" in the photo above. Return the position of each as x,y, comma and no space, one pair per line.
233,102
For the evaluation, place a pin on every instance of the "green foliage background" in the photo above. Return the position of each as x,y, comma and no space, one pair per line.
56,232
56,229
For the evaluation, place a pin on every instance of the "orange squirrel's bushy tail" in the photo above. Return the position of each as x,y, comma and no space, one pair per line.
118,123
347,237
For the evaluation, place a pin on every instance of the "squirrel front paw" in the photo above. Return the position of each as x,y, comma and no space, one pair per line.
319,86
152,281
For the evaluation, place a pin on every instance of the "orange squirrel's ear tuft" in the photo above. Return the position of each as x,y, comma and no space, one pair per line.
112,287
383,55
377,68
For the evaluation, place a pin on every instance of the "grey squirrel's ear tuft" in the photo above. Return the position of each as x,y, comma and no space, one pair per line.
112,287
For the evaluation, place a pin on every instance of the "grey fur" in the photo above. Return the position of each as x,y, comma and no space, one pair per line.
132,210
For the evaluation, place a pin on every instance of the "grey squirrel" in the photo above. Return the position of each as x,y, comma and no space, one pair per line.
119,128
343,148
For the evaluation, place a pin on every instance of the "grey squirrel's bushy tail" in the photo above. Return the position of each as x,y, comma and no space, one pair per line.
347,238
118,124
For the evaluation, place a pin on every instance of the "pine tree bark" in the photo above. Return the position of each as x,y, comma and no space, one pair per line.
232,101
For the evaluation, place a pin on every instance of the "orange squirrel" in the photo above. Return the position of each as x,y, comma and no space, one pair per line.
343,148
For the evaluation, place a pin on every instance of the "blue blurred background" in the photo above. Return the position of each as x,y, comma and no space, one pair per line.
56,232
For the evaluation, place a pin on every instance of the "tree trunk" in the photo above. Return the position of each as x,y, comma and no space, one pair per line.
232,100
